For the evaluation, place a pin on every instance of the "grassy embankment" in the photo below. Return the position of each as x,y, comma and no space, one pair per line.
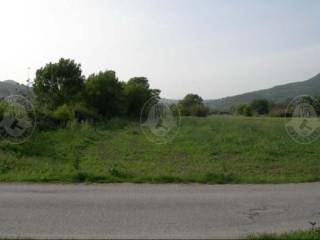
206,150
313,234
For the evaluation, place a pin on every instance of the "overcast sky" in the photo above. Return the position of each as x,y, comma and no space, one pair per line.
213,48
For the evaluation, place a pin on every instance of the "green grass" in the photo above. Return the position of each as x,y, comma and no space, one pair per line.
297,235
206,150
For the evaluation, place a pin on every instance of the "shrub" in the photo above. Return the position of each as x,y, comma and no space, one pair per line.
63,114
175,110
83,113
244,110
45,120
278,112
199,111
3,107
260,106
247,111
220,112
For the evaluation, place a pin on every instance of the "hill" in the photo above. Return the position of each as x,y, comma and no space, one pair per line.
10,87
277,94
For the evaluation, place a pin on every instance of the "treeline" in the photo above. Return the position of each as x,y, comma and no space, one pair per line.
256,107
267,108
62,94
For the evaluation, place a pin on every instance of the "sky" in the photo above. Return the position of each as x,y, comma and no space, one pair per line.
211,48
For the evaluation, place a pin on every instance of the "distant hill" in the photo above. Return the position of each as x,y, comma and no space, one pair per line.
169,101
276,94
10,87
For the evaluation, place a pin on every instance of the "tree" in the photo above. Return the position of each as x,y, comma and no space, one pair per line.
192,105
58,83
247,111
244,109
260,106
137,92
104,92
316,105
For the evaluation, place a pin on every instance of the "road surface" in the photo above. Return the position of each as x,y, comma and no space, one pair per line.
154,211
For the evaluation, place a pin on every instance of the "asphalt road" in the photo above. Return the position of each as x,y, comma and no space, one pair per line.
154,211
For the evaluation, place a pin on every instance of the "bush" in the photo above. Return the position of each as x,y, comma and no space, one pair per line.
244,110
3,107
175,110
199,111
220,112
115,123
63,114
278,112
45,120
247,111
83,113
260,106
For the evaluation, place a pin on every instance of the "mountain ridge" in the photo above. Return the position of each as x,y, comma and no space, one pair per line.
11,87
276,94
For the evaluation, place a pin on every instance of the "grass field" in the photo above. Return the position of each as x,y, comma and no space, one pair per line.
313,234
206,150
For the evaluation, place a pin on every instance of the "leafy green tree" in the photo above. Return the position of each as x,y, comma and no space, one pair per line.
313,101
316,105
244,109
137,92
58,83
260,106
192,105
104,92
